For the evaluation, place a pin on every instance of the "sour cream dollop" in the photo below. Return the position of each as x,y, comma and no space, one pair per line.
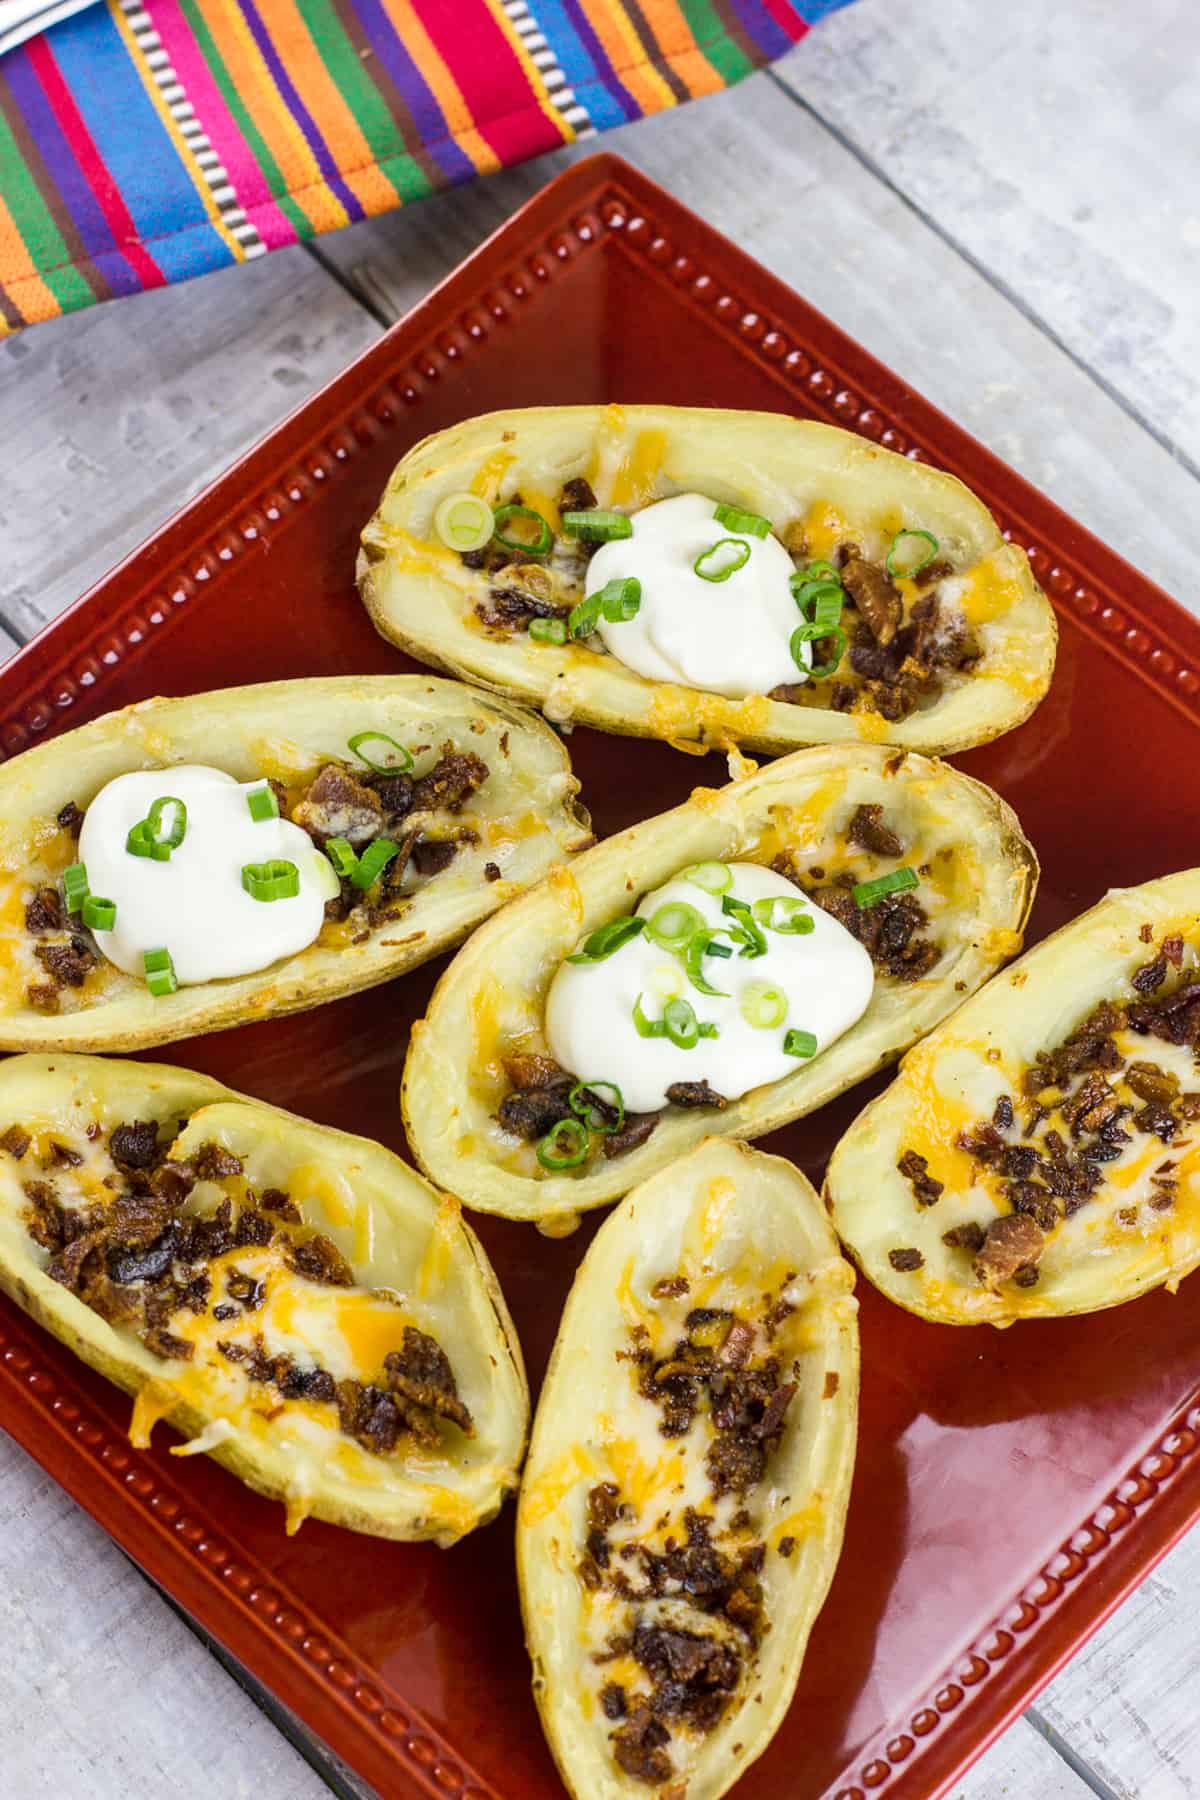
826,976
728,637
194,905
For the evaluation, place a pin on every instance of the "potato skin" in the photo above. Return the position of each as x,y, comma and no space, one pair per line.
769,1212
494,990
420,597
70,1090
942,1086
279,728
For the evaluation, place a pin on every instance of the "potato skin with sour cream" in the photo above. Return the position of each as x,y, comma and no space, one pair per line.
396,1234
1139,1227
490,1001
842,488
282,730
731,1224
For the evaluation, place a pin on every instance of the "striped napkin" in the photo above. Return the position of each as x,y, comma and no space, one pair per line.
146,141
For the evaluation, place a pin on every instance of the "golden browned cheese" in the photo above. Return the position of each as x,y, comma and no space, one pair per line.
723,1231
822,489
1048,1132
977,881
400,1259
525,818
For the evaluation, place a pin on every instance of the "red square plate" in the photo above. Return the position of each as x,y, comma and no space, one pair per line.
1011,1487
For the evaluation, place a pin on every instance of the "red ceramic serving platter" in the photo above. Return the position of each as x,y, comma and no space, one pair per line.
1011,1487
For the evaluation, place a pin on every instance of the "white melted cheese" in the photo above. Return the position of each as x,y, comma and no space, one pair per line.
194,905
727,637
826,975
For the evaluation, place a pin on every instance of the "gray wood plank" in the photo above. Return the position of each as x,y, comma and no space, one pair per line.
1021,1766
1056,144
125,412
762,169
106,1694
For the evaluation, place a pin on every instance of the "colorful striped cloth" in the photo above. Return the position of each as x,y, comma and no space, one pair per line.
147,141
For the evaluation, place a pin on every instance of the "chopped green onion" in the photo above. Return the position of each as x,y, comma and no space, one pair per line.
464,522
799,1043
734,519
342,855
160,972
75,886
176,831
608,938
274,880
553,1153
763,1005
97,914
722,559
911,552
373,861
581,620
827,608
584,1100
141,843
598,524
673,924
699,945
548,631
394,759
804,634
647,1027
868,892
791,918
262,804
620,599
744,926
713,877
682,1025
822,571
808,593
535,546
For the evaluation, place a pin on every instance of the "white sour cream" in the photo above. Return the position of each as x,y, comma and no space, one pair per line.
194,905
826,975
728,637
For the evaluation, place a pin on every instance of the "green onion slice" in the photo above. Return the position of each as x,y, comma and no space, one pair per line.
763,1004
868,892
564,1146
647,1027
911,552
809,634
822,571
141,843
734,519
806,592
548,631
581,620
274,880
75,886
98,914
342,855
173,833
673,925
598,524
391,760
583,1099
722,559
620,599
262,804
744,926
464,522
373,861
698,946
791,918
799,1043
608,938
160,972
682,1025
713,877
531,546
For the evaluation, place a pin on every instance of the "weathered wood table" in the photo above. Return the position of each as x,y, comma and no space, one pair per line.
1001,201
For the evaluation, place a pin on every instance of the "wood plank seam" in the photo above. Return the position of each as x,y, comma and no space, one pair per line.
1067,1754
